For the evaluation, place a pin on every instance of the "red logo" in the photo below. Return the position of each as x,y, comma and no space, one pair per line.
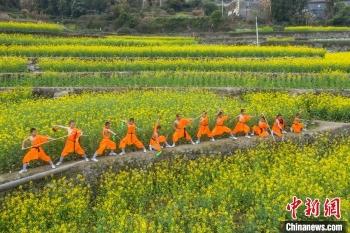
312,207
292,207
331,207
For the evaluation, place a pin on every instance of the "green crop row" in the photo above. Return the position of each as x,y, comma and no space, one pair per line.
11,26
316,28
30,39
333,63
333,80
13,64
160,51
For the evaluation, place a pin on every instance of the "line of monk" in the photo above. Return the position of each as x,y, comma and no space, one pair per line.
72,145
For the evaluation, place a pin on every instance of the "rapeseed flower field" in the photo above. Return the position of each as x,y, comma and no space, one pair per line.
332,62
30,39
327,80
246,192
195,50
92,110
31,27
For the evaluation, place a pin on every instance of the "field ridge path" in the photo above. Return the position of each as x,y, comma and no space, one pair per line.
219,147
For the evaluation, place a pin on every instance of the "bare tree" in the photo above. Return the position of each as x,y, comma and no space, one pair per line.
265,10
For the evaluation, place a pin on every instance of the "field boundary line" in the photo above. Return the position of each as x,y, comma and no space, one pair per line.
220,147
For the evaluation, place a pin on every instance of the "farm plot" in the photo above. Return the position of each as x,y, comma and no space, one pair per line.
245,192
21,112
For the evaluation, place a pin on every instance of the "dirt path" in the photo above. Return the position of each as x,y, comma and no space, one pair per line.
52,92
140,159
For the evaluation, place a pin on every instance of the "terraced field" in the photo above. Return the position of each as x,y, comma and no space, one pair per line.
246,192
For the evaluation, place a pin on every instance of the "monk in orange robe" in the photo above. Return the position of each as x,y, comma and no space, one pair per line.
278,126
72,144
261,129
157,140
241,126
220,127
107,143
131,137
204,128
297,126
180,129
36,152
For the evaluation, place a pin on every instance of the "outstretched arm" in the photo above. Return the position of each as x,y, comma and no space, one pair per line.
111,132
50,138
61,126
24,141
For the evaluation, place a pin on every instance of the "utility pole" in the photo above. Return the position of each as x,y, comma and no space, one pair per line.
160,3
222,8
257,30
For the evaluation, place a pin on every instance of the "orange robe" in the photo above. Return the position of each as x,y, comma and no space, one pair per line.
37,152
106,142
242,126
261,129
180,131
220,128
156,139
204,127
297,126
72,145
277,128
131,138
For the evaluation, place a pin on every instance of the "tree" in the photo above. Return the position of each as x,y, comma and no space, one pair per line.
77,8
64,8
287,10
209,7
41,5
52,8
118,9
341,15
5,4
330,6
27,5
216,18
265,10
194,3
97,5
126,20
176,5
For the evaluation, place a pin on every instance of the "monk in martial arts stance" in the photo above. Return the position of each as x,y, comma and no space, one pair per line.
107,143
278,126
297,126
131,137
180,129
157,140
36,152
204,128
72,143
261,129
241,126
220,127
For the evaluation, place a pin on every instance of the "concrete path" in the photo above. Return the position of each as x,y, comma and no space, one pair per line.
140,159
